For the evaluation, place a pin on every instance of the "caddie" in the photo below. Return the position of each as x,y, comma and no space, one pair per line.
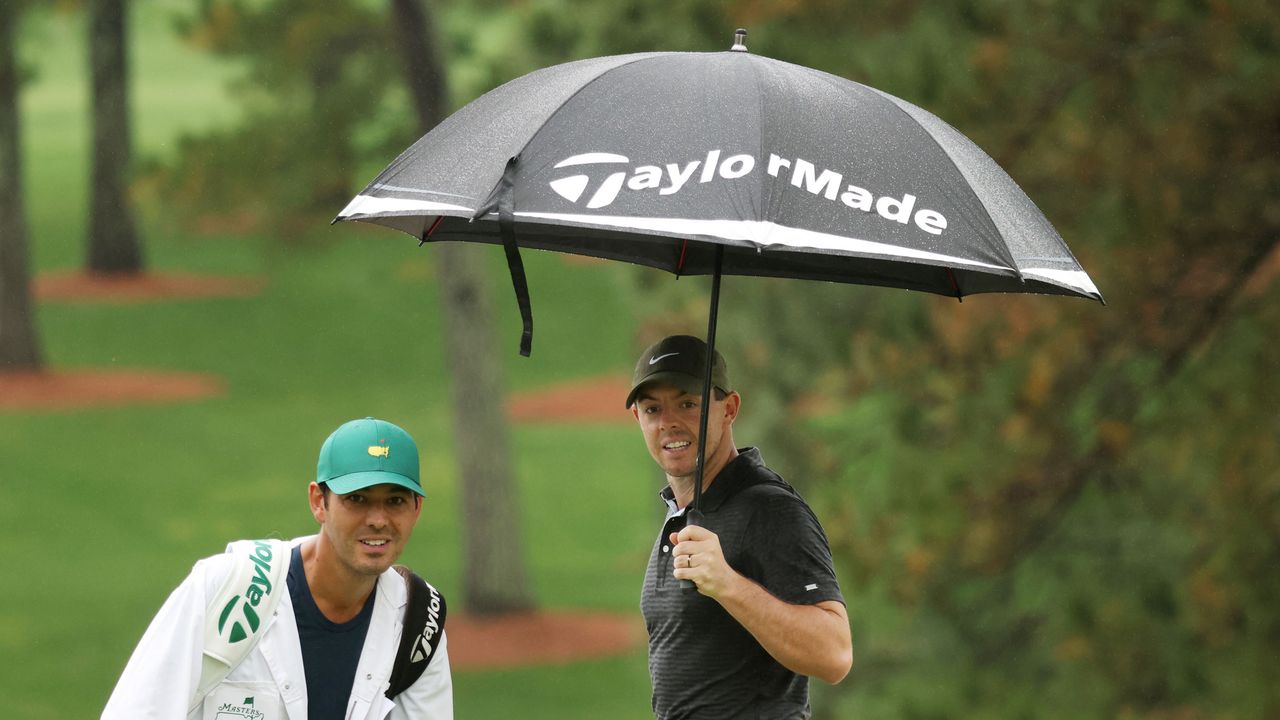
316,627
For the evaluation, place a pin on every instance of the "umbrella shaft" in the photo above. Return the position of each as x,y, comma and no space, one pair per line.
706,380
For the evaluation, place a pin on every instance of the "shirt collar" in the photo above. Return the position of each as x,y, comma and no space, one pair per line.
734,476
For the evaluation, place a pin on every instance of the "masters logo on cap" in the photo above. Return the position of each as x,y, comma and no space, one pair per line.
368,452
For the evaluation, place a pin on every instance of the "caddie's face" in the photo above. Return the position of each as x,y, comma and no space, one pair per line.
368,528
669,418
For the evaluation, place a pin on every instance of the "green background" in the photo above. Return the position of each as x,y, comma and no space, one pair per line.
1038,507
105,510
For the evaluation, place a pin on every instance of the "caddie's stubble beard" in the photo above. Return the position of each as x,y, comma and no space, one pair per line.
345,539
355,557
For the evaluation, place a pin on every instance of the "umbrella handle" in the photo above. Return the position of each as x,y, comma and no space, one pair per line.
692,516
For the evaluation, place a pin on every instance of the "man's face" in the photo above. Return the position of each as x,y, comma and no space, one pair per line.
669,417
368,528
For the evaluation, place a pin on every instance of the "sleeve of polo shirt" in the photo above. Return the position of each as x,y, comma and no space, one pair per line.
793,554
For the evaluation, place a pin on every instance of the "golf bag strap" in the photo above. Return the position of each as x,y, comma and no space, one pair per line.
424,615
506,225
238,615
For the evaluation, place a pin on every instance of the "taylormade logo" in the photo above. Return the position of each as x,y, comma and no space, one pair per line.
422,644
259,586
671,178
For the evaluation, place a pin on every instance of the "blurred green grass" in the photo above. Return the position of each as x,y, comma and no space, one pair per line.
105,510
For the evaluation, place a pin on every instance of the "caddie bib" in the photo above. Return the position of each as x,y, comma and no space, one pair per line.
244,700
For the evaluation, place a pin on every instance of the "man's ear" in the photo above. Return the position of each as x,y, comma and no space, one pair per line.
732,404
319,505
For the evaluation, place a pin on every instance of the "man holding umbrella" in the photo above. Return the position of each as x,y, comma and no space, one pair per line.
768,611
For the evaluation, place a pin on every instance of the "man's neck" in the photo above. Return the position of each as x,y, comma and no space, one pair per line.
339,595
682,487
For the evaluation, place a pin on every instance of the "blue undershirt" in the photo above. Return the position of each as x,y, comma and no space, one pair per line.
330,651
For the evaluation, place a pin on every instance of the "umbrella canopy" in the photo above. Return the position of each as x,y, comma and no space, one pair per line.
702,163
796,172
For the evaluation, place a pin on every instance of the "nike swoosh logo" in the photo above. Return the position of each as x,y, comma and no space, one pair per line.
656,359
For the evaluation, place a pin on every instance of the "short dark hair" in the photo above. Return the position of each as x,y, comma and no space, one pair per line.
324,490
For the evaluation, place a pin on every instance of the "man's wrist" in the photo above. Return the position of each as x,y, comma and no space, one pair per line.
736,589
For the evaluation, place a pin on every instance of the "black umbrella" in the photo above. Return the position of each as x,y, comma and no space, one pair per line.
704,163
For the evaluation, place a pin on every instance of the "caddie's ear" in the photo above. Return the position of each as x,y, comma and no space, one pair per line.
319,502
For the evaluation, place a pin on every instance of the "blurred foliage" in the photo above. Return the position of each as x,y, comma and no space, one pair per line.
321,89
1043,508
1039,507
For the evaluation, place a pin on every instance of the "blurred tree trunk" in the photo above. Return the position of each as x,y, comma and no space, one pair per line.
113,241
494,576
18,347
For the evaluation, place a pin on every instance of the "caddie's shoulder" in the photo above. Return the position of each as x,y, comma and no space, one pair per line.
210,572
220,564
260,547
416,586
268,557
406,574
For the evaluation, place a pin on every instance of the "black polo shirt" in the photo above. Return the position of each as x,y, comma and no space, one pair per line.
703,664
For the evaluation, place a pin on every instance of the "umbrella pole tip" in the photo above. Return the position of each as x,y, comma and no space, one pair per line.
739,40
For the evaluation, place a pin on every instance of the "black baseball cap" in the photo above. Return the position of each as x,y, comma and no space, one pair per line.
680,360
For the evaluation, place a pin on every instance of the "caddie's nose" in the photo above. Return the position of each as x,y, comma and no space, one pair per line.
377,515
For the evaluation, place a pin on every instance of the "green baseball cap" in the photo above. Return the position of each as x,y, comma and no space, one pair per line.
680,360
368,452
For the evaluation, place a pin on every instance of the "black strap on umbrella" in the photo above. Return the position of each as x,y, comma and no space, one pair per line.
506,225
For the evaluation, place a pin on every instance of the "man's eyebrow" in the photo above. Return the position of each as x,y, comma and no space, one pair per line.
683,394
644,396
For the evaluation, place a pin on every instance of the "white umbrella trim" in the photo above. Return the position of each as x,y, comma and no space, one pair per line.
1077,279
760,233
368,205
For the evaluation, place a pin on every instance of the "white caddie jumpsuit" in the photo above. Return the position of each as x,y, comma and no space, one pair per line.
162,676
